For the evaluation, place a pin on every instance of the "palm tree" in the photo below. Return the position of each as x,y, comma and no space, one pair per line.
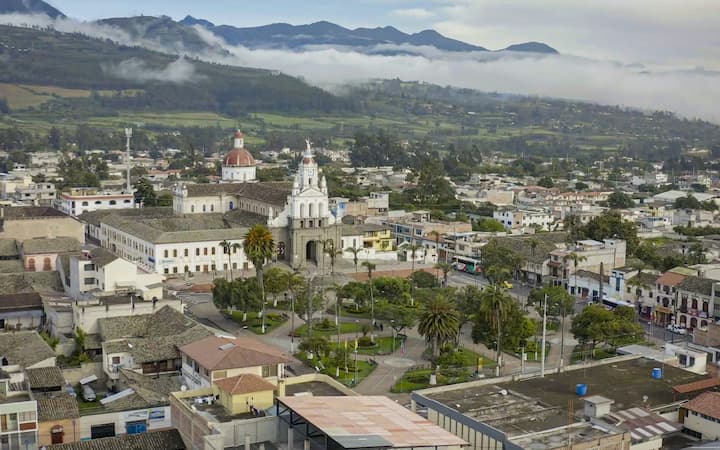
495,307
293,281
259,246
445,268
355,252
330,250
370,268
226,245
438,323
576,259
413,248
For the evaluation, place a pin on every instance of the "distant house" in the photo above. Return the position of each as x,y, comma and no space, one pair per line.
40,254
701,416
21,311
208,360
28,222
147,343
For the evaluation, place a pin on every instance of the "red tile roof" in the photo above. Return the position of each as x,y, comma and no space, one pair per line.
670,279
700,385
221,353
707,403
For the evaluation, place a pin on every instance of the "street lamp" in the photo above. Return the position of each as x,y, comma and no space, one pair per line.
392,326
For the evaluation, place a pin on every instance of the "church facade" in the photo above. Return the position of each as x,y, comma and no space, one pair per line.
298,216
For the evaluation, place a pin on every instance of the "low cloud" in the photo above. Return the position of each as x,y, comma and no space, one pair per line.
692,93
179,72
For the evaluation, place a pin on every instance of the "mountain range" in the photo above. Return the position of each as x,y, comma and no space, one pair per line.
182,36
298,37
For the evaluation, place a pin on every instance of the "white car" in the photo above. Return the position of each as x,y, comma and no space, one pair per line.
676,329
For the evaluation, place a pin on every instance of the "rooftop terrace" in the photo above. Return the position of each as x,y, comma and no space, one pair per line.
538,404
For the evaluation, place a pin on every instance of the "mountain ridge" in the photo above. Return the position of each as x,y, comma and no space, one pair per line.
29,7
297,37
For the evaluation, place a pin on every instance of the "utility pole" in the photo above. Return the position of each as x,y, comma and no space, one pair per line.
128,135
544,332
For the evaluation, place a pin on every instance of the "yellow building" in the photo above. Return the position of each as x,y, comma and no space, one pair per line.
241,393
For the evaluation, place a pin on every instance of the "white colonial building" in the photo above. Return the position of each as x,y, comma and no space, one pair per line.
87,199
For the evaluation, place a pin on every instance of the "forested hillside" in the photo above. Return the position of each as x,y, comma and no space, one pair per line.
157,81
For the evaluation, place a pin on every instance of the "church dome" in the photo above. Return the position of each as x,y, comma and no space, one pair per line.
239,156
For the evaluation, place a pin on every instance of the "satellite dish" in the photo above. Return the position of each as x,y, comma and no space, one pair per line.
183,388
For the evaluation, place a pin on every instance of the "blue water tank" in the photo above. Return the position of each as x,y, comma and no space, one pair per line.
657,373
581,389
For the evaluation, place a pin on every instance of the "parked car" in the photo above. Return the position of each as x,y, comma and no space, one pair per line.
676,329
88,393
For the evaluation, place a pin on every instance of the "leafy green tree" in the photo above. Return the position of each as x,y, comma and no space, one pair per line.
370,269
445,268
580,186
606,226
144,193
358,292
546,182
620,200
165,199
499,257
488,225
423,279
595,325
399,317
393,289
438,323
276,282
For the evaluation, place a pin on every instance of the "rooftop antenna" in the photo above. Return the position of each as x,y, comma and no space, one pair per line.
128,135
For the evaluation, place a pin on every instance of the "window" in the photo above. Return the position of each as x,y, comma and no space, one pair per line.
212,250
166,270
192,208
85,203
98,202
166,253
113,202
174,253
203,208
175,270
269,371
218,374
197,268
205,251
26,416
101,431
186,252
89,280
126,201
89,266
116,360
212,266
197,251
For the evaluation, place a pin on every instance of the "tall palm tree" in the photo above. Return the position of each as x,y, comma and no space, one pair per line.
370,268
445,268
495,307
413,249
330,250
438,323
259,246
576,259
355,252
293,281
226,245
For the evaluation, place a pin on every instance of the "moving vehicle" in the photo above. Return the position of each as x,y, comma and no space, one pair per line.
677,329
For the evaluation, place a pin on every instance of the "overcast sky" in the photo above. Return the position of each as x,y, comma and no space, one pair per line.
658,32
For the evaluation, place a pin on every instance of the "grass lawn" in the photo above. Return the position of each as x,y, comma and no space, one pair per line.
383,346
579,354
327,367
345,328
415,379
254,322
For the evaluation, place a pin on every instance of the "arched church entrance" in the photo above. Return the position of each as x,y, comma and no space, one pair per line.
311,252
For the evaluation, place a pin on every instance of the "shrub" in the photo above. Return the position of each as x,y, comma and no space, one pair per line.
365,341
